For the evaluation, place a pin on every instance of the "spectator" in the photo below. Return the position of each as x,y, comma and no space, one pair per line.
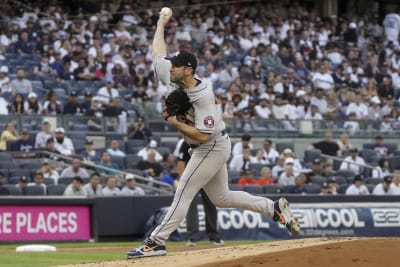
316,169
49,172
287,177
333,185
94,188
17,106
326,189
327,169
95,111
247,178
382,170
262,110
32,106
90,153
87,102
298,187
270,154
266,177
51,148
344,143
117,114
72,106
4,80
111,189
20,85
357,188
114,150
168,160
278,168
239,146
43,135
150,166
38,180
3,191
171,177
62,143
75,188
288,153
106,162
259,158
22,184
327,146
107,93
241,162
384,188
138,130
323,79
83,72
395,185
9,133
52,106
358,107
379,147
353,162
374,110
24,144
5,107
151,145
22,46
130,189
75,170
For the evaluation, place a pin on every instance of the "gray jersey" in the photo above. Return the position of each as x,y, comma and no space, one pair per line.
204,115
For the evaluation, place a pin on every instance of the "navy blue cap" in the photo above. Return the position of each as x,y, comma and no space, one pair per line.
183,59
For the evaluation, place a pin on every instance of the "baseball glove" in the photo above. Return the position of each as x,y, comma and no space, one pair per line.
177,103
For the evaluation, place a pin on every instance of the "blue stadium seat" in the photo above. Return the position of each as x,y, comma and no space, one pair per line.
56,189
254,189
318,180
35,190
312,188
65,180
274,189
14,191
131,160
19,172
282,146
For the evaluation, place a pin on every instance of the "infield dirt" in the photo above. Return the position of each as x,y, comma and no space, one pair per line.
324,252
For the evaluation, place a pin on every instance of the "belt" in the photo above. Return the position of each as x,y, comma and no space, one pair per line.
193,146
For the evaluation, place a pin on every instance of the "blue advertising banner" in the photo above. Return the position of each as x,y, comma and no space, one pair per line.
316,220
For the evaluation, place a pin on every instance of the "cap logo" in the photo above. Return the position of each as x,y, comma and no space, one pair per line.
209,121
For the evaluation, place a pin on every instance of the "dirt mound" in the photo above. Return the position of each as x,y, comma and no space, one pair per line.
300,253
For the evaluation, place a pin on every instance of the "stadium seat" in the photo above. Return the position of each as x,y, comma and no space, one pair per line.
274,189
14,191
345,173
8,164
373,181
254,189
35,190
56,189
134,145
256,168
318,180
235,187
312,188
340,179
394,163
310,155
5,156
131,160
163,149
33,164
48,181
65,180
120,161
282,146
19,172
134,171
343,188
370,187
368,155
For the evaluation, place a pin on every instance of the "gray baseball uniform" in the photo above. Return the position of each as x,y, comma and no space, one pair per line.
207,166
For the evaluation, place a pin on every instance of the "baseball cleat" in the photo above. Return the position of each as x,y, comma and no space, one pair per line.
191,243
147,249
284,216
217,242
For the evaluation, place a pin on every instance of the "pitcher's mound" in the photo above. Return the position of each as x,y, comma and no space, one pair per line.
324,252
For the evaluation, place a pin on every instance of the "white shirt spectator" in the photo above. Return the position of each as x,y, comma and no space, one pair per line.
379,173
285,180
353,164
69,191
66,147
262,112
378,190
41,139
23,86
238,164
91,192
137,191
69,172
354,190
105,95
238,148
395,188
226,78
315,116
361,110
324,81
143,153
271,156
3,106
107,192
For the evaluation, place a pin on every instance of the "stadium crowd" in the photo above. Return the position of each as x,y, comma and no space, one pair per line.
264,61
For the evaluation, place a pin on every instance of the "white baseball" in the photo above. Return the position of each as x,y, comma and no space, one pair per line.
166,11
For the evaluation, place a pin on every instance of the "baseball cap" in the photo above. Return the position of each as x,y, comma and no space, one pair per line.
32,95
300,93
375,100
73,93
183,58
316,161
325,185
332,180
129,176
4,69
59,130
387,179
24,131
246,137
88,93
289,161
89,142
287,151
153,144
109,80
357,177
23,179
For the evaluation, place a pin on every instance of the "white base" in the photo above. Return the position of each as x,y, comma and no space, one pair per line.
36,248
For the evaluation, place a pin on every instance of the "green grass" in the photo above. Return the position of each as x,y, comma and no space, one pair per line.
10,258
